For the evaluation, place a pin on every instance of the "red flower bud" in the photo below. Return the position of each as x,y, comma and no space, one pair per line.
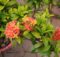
56,35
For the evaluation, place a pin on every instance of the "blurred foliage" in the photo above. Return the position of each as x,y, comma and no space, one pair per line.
41,3
11,10
42,31
42,34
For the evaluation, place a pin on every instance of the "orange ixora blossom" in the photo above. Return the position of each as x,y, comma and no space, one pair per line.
56,35
29,22
11,29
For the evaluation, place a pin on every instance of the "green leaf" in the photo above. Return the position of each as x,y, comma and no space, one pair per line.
13,16
22,27
4,1
11,3
18,40
49,26
46,1
22,10
13,10
2,35
47,14
2,29
13,43
43,29
46,47
57,48
42,17
36,46
38,29
27,34
44,50
10,10
38,18
36,34
18,24
1,7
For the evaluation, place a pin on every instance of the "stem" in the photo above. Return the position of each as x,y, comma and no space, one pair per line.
34,10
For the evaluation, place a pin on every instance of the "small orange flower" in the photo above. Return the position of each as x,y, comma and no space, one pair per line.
29,22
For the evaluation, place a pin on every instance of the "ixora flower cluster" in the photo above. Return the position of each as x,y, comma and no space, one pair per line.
12,30
44,37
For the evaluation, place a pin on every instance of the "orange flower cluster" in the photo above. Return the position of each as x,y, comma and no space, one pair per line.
29,22
11,29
